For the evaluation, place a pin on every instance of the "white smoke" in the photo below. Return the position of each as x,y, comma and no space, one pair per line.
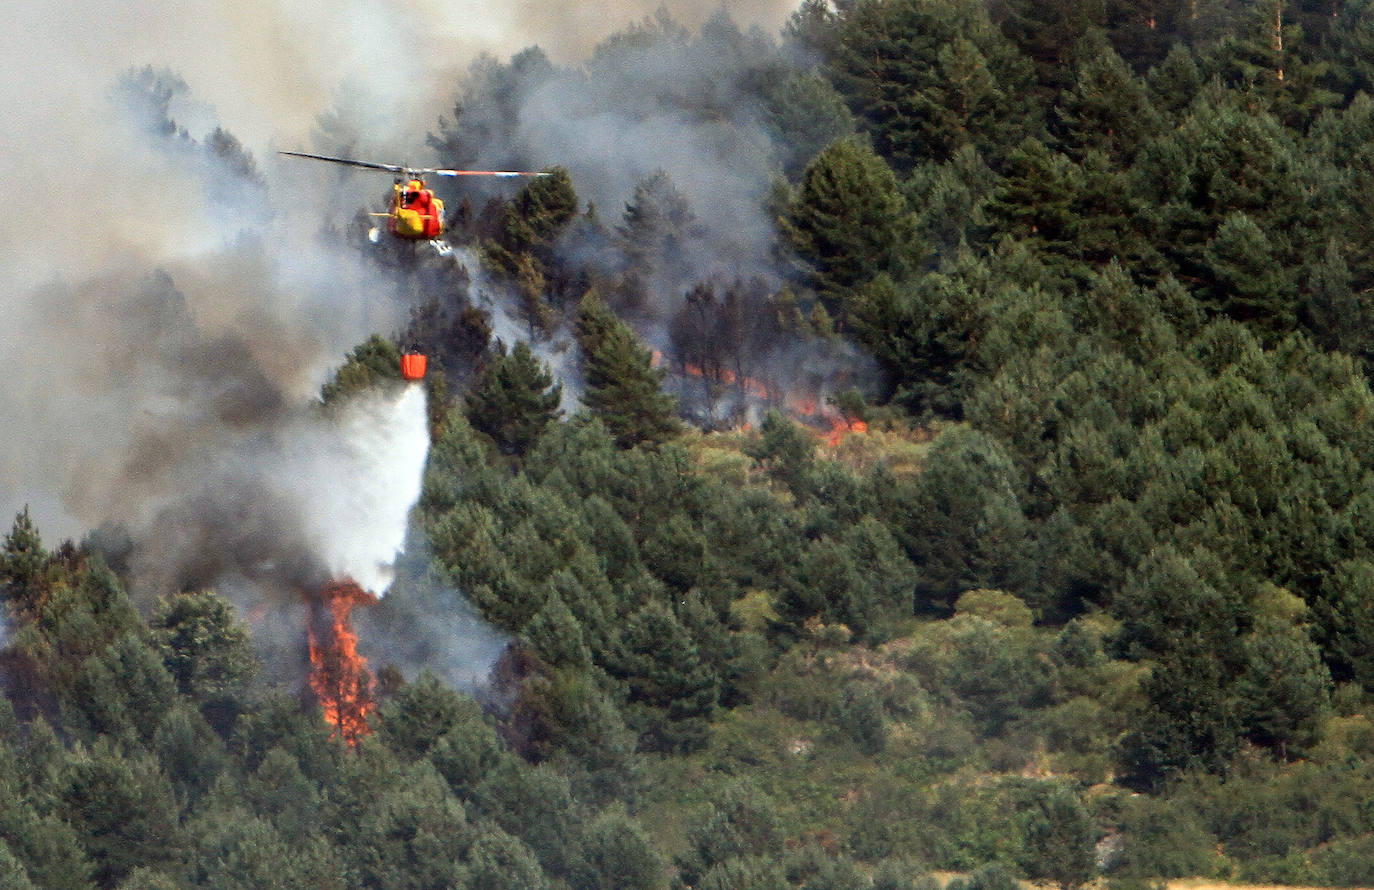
556,350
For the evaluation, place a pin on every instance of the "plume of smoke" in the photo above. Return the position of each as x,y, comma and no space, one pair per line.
425,623
307,497
651,100
555,350
170,306
194,304
671,126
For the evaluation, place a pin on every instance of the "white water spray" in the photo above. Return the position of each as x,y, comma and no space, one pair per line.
357,478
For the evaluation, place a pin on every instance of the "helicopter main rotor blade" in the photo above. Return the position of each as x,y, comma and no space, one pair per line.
390,168
480,172
409,171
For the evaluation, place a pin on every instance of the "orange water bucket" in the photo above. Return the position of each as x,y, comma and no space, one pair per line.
413,366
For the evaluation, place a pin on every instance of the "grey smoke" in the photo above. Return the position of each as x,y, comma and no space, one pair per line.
170,314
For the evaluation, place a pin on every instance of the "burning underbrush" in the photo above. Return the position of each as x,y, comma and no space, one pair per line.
716,397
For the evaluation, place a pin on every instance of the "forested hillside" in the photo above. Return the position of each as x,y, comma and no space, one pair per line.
986,486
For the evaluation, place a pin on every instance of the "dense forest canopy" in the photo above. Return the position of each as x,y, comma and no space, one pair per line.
936,439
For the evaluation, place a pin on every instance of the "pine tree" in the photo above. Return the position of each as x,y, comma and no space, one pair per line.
657,228
1252,283
207,650
849,223
1059,841
1106,108
1285,688
124,810
672,690
21,566
621,856
368,364
500,860
962,521
1048,30
1192,721
1143,31
1034,201
925,79
514,399
1175,81
806,114
532,221
623,387
1266,58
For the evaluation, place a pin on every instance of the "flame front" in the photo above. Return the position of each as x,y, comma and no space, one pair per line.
338,674
807,407
839,426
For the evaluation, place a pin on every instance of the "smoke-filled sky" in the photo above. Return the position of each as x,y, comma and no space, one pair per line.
150,311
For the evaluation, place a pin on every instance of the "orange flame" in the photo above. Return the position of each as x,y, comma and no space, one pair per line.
338,674
807,407
839,427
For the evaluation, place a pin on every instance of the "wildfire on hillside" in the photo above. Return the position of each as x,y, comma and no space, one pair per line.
840,426
807,407
338,674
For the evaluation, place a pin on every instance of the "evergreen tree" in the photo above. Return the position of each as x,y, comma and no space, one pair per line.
1106,108
672,690
237,850
1037,201
208,653
420,714
46,847
620,855
499,860
1284,690
531,223
124,811
623,387
1252,283
412,835
535,805
1145,31
1048,31
1266,58
514,399
805,114
123,692
1175,81
190,753
1192,721
859,578
962,521
654,237
556,636
848,223
1060,840
925,79
377,360
13,875
741,823
1344,618
21,566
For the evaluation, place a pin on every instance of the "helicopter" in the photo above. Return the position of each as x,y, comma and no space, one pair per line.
415,214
